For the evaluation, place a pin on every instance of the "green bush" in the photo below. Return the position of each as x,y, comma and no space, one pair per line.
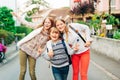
23,29
19,36
3,33
116,34
81,22
8,36
10,29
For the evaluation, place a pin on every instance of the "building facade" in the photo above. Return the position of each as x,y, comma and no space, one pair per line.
100,5
103,6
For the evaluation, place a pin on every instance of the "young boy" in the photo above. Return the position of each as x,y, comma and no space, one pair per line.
57,53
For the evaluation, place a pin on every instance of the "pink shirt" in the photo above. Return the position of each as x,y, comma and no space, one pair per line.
2,48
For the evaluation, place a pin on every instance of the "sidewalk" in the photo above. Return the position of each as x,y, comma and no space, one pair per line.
10,53
11,49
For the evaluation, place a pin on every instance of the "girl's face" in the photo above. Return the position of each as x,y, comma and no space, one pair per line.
47,24
54,35
60,25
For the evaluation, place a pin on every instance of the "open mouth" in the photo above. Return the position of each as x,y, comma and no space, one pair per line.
53,37
47,26
60,28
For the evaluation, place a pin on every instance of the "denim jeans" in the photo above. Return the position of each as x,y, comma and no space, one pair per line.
60,73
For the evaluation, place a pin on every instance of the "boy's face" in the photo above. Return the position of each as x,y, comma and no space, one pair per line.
54,35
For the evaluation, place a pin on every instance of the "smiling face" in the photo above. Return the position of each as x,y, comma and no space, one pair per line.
60,25
47,24
54,34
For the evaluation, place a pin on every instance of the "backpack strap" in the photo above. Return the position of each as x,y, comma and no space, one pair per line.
77,33
70,62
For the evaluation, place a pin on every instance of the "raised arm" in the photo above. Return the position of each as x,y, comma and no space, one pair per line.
28,24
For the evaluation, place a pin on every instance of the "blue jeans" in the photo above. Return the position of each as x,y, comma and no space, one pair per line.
60,73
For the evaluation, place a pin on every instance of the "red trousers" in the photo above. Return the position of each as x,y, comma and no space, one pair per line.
80,64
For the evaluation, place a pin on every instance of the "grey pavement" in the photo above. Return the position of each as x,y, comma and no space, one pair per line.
101,65
10,53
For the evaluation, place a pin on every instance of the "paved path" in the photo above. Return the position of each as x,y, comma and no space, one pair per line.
10,53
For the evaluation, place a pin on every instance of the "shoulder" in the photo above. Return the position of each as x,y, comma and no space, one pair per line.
39,29
36,31
49,43
77,24
49,47
74,24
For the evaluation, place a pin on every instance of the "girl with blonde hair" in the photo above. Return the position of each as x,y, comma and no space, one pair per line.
81,58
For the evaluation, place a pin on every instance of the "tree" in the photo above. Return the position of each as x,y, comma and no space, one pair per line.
6,20
83,9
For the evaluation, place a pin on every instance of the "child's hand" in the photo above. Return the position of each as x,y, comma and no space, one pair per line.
50,53
40,50
76,47
87,44
14,14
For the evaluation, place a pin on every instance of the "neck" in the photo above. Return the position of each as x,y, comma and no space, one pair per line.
54,41
63,31
45,30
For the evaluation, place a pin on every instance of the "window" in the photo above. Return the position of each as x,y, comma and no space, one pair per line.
113,4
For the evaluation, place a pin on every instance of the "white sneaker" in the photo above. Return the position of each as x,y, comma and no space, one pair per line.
4,61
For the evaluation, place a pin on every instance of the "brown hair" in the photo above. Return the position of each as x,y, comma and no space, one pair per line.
51,20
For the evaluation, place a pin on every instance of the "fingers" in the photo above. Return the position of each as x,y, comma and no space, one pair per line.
76,47
14,14
87,44
40,50
50,53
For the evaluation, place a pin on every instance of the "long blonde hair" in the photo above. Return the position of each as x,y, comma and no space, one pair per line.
66,28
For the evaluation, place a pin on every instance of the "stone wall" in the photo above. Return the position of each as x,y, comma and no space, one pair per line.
107,46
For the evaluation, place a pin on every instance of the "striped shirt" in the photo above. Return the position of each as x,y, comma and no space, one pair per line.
60,56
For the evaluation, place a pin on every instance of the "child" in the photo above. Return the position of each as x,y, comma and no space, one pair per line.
57,54
2,51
